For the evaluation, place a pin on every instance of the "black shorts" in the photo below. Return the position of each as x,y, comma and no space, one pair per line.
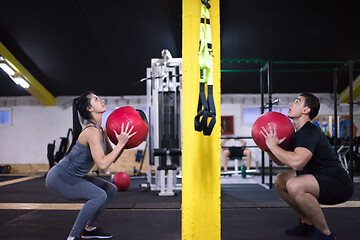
335,186
236,152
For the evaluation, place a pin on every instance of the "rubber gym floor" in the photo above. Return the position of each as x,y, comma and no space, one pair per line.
249,211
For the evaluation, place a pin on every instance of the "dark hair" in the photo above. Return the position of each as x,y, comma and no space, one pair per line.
80,106
312,102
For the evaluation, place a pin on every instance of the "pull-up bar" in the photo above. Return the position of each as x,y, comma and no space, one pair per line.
278,70
263,62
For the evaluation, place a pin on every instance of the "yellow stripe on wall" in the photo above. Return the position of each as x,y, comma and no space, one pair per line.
36,89
201,185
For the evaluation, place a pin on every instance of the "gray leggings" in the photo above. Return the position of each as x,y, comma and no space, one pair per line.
96,191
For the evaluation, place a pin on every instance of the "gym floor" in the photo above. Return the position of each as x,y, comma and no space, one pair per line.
250,210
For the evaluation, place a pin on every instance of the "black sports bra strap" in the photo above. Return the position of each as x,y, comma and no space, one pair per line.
91,122
94,125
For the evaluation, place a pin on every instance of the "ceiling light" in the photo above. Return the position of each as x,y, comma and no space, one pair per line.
4,66
17,77
19,80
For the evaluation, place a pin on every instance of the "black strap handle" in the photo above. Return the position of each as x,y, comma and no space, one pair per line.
206,109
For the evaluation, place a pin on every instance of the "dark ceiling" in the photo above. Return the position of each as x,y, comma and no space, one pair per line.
74,45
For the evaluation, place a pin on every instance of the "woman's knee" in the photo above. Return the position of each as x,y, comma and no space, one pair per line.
112,190
101,197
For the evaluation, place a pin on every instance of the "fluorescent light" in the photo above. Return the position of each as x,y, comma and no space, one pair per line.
21,81
7,69
16,77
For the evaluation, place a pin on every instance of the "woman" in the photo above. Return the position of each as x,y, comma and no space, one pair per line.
90,145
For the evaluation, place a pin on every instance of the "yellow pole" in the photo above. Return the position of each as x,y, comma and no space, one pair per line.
36,89
201,186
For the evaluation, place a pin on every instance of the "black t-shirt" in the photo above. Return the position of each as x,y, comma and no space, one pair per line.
324,159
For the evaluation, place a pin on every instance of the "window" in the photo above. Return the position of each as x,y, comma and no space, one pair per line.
5,117
249,115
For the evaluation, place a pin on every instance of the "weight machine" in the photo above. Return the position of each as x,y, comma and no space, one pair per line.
344,151
163,91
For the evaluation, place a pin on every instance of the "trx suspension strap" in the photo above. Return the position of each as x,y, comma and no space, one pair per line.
206,107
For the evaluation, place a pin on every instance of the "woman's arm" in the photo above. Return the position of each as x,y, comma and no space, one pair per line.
102,160
109,147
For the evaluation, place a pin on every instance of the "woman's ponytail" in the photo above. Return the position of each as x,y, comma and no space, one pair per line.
76,123
80,106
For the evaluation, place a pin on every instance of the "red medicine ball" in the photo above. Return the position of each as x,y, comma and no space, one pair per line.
134,117
284,128
122,181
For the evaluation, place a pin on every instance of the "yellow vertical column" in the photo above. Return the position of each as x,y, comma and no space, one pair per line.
201,186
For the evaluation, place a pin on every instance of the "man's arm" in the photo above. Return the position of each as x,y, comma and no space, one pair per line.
224,142
243,142
274,159
296,159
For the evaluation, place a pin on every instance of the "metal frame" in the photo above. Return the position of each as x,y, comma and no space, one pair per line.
266,81
350,66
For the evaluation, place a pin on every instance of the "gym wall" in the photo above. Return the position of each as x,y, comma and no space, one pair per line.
34,126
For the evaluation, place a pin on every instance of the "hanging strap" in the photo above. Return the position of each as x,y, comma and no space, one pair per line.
206,107
207,131
206,3
202,110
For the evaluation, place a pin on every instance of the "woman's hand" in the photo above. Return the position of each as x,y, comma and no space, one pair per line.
125,135
271,138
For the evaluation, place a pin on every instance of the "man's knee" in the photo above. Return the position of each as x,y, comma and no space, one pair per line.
294,187
226,152
280,181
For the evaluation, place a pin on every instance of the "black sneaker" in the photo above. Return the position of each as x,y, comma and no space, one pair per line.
318,235
96,233
302,229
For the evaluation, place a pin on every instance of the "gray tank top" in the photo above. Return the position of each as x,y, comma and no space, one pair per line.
79,160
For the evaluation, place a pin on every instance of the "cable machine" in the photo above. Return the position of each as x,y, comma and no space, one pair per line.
163,91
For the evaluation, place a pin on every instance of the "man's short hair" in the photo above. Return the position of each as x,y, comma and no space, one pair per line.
312,102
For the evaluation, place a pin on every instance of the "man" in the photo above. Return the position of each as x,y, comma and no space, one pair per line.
317,176
235,152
